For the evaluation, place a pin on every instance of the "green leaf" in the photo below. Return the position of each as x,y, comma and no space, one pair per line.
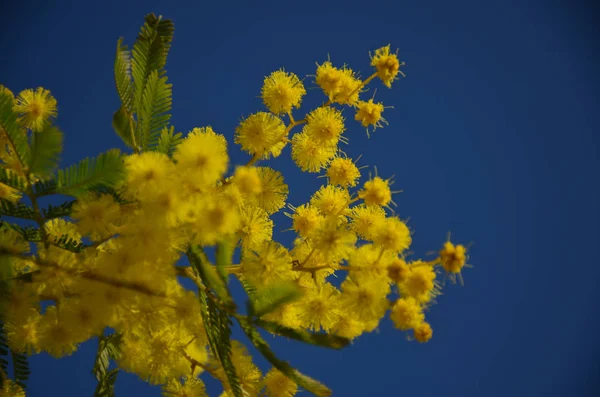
44,187
20,368
317,339
123,76
45,150
167,141
123,125
59,211
107,169
17,137
224,255
311,385
218,331
268,299
209,275
68,243
12,179
18,210
153,111
108,348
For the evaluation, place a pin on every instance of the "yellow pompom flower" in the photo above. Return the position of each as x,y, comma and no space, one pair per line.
96,215
423,332
202,157
56,337
146,173
273,193
282,91
339,85
328,77
256,227
325,125
334,242
11,389
369,261
419,283
407,314
376,192
271,262
398,270
261,134
320,308
349,89
247,181
348,326
365,298
392,234
331,200
387,65
453,257
342,171
192,387
217,218
279,385
57,228
35,108
309,154
364,218
306,220
369,113
23,332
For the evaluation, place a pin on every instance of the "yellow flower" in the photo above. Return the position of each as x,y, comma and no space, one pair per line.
369,113
247,180
23,332
261,134
279,385
407,313
365,298
146,173
256,227
334,242
56,337
376,192
282,91
11,389
274,191
9,194
392,234
309,154
271,262
364,218
387,65
325,125
35,107
306,220
423,332
331,200
339,85
453,257
192,387
96,215
320,307
202,157
398,270
342,171
419,283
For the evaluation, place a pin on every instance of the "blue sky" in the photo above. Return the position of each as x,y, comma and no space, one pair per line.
493,136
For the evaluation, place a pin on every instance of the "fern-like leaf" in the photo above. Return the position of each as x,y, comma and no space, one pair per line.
8,122
153,112
123,76
12,179
317,339
20,368
44,187
46,147
16,210
58,211
167,141
106,169
108,348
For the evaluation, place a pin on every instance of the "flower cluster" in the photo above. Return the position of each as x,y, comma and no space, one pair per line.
113,262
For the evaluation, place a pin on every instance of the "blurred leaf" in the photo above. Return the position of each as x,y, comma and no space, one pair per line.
106,169
123,126
270,298
17,137
320,339
46,147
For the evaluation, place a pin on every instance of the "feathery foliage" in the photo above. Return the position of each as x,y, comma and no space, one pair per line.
14,133
105,169
46,147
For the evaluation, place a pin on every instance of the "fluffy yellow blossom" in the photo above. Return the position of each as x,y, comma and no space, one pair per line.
320,308
364,218
146,173
247,180
261,134
309,154
11,389
369,113
392,234
453,257
202,157
306,219
192,387
365,298
282,91
273,193
407,313
325,125
419,283
376,192
386,64
340,85
279,385
271,262
398,270
334,242
348,326
342,171
23,332
35,108
331,200
423,332
56,337
256,227
96,215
